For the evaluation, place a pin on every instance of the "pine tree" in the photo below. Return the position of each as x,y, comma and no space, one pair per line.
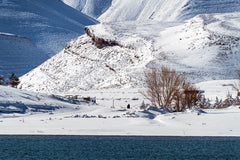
13,81
1,80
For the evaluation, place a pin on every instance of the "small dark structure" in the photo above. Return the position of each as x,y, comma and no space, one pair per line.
128,106
89,99
80,98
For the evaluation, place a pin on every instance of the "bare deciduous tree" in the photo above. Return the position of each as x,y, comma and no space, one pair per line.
236,86
168,89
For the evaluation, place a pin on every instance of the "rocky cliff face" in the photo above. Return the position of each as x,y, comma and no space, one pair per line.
100,42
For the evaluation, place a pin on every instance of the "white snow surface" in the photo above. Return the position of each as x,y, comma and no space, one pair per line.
206,47
27,103
48,24
165,10
131,10
42,114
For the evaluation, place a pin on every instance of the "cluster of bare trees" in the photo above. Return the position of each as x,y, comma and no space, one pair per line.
12,81
167,89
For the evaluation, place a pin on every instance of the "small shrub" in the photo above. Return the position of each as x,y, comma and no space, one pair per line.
203,103
143,106
13,81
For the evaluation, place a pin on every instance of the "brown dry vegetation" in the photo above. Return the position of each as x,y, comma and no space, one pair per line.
166,88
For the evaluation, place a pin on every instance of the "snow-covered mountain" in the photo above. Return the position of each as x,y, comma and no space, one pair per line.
33,30
165,10
92,8
18,55
48,24
111,55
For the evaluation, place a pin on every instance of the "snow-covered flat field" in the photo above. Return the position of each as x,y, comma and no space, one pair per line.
54,115
222,122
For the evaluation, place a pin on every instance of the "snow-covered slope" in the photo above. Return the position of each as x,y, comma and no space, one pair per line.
92,8
48,24
204,48
163,10
17,101
166,10
196,7
131,10
18,55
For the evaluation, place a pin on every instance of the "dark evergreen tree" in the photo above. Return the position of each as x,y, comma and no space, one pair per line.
1,80
13,81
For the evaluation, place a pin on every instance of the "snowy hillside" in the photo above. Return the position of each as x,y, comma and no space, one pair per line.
16,101
48,24
131,10
115,55
165,10
92,8
18,55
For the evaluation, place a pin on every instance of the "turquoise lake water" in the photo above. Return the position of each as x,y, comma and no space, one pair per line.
117,147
